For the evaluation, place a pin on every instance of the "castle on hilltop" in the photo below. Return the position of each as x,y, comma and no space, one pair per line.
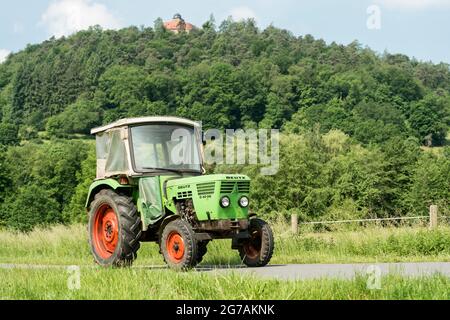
177,24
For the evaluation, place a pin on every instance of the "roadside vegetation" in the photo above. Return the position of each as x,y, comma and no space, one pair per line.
321,177
69,246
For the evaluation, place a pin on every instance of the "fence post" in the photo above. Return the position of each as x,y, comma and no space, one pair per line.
433,216
294,223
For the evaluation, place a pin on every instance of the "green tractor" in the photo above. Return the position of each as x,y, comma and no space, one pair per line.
151,186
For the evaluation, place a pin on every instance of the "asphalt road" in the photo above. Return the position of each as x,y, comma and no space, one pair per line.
301,271
343,271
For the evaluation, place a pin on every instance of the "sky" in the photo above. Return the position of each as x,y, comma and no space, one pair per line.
417,28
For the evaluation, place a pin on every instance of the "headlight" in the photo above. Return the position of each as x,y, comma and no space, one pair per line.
225,202
243,202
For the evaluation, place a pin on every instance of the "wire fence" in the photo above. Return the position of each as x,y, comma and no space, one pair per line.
432,219
365,220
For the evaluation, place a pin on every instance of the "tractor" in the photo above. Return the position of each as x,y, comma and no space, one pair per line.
151,186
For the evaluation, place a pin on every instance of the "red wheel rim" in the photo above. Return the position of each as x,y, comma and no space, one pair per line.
252,247
106,231
175,246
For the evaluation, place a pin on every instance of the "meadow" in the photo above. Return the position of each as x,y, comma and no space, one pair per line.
68,245
141,283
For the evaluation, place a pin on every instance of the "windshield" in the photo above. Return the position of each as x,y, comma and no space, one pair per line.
162,146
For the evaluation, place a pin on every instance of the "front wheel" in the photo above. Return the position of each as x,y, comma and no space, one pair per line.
258,249
179,246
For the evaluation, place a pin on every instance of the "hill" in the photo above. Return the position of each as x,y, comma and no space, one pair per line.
232,76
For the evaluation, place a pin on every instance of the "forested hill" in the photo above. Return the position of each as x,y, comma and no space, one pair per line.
233,75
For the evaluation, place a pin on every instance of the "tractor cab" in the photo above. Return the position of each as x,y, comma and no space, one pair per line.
148,146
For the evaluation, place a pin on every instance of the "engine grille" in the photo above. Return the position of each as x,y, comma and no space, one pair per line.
204,189
243,186
228,186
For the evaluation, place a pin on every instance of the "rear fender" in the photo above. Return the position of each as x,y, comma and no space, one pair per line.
104,184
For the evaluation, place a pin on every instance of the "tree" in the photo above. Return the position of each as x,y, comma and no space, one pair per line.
121,92
79,117
31,206
9,134
429,118
75,211
376,123
4,178
430,184
51,168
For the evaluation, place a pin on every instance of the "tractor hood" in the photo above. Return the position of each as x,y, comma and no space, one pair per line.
207,191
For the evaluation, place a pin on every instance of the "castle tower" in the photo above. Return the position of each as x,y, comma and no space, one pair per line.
177,24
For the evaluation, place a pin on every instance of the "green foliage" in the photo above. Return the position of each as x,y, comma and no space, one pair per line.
235,76
74,211
31,206
430,184
41,180
28,133
353,119
376,123
331,177
79,117
429,118
4,177
9,134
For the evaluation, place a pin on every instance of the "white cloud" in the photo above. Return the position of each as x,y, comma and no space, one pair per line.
64,17
413,4
242,13
3,55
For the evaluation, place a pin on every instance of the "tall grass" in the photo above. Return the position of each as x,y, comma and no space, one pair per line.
142,283
69,245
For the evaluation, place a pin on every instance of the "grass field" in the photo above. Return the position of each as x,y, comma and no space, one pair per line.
140,283
60,246
69,245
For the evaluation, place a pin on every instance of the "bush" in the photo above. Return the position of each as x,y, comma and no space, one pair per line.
430,185
331,177
79,117
31,206
75,211
39,182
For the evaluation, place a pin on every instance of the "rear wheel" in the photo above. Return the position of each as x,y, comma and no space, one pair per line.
258,249
114,229
178,245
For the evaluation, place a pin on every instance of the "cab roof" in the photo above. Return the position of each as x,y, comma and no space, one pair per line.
144,120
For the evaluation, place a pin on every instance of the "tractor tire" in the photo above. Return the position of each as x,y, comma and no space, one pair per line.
202,249
114,229
258,249
178,245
